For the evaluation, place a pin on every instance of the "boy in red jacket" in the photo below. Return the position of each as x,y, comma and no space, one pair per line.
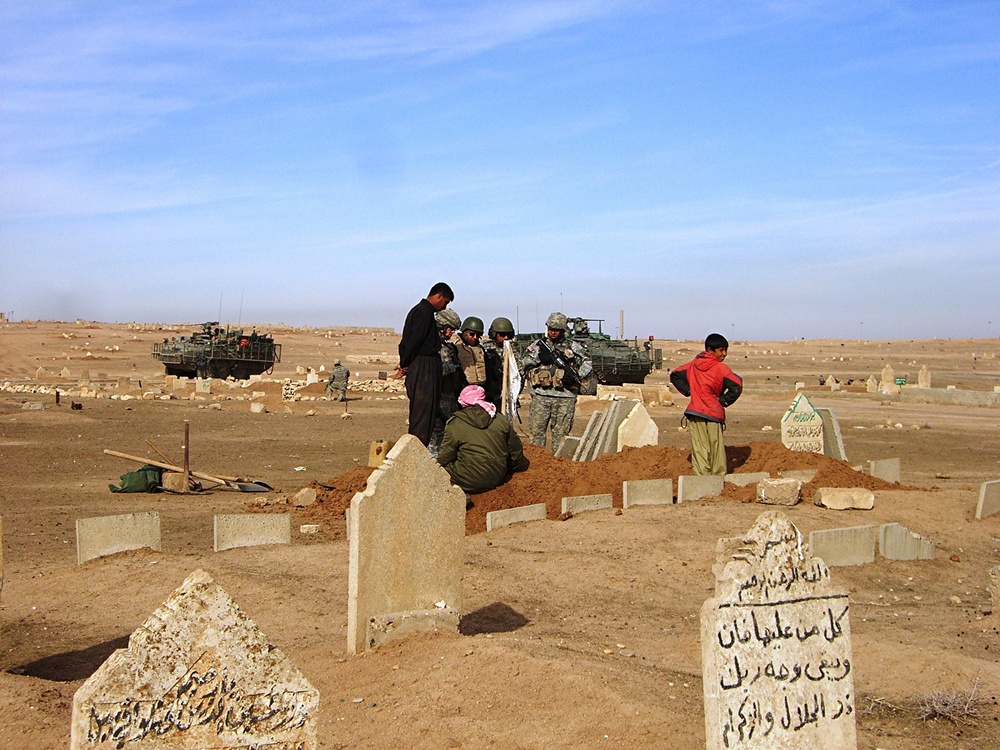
712,386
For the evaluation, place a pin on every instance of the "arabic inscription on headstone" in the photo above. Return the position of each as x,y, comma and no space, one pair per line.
802,426
776,647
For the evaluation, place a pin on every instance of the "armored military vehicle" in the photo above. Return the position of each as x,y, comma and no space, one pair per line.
215,352
616,361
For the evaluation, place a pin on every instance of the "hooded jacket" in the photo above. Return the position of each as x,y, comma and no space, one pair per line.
710,384
479,451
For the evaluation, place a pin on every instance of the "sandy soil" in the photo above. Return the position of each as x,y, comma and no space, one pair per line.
576,633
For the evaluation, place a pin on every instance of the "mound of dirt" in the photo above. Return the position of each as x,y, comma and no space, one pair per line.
548,479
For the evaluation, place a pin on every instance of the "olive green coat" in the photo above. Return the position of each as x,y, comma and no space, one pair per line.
479,451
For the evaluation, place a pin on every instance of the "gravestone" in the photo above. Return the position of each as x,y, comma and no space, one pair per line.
498,518
802,426
108,535
231,530
871,385
887,469
896,542
637,429
924,378
776,646
833,440
197,674
989,499
203,385
582,503
406,535
1,553
888,382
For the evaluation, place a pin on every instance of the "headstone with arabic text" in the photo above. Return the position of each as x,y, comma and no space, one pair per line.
198,673
776,647
802,426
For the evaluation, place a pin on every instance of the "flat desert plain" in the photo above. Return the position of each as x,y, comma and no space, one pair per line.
576,633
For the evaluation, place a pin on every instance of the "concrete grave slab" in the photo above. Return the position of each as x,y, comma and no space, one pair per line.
197,674
806,475
989,499
833,439
108,535
251,529
568,448
845,498
854,545
779,491
637,429
583,503
896,542
885,468
777,668
694,488
742,480
406,535
497,518
647,492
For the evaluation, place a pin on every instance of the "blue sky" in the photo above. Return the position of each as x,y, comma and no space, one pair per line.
769,170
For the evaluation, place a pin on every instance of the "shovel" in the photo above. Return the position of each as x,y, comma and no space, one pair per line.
235,483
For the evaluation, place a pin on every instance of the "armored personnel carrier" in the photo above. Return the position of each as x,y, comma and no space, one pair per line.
215,352
616,361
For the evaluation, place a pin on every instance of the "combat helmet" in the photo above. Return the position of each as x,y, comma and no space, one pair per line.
556,321
447,319
472,323
501,325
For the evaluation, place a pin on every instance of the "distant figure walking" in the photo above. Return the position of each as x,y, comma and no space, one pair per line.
420,360
711,386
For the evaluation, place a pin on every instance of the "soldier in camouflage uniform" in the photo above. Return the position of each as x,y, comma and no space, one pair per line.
501,330
452,377
546,366
337,385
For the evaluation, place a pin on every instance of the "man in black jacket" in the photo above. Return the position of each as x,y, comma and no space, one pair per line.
419,360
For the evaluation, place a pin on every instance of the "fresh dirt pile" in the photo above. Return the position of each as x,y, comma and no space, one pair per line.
548,479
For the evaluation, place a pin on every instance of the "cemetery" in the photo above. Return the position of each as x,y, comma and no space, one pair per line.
838,588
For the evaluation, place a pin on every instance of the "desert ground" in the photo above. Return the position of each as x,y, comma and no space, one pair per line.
576,633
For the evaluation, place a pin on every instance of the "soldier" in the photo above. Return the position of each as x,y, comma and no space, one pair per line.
337,385
553,366
452,377
501,330
470,352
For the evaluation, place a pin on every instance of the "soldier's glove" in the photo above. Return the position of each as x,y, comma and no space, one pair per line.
568,353
545,356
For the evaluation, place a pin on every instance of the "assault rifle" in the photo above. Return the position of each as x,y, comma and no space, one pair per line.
572,377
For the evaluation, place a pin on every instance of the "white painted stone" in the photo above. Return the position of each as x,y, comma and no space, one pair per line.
406,535
777,669
197,674
845,498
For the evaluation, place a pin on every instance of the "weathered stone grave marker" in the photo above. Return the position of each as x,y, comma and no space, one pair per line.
802,426
406,533
776,646
197,674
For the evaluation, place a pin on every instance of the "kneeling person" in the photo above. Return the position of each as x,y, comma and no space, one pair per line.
480,448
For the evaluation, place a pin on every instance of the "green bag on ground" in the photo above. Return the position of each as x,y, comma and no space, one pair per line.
145,479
